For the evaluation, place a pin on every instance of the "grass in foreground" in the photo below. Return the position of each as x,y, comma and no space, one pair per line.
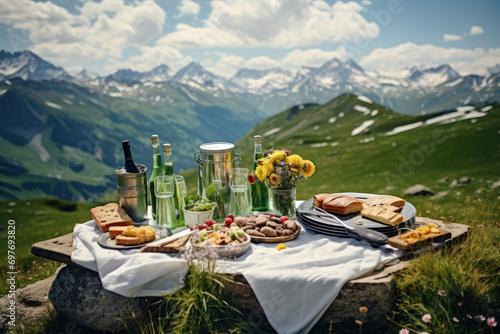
36,220
457,289
200,307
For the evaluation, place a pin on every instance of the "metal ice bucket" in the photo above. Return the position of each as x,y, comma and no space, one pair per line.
215,160
133,192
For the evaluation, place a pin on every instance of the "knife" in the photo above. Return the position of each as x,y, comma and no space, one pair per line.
374,238
168,240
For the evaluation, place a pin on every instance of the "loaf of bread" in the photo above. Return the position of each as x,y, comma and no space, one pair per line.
395,202
318,199
110,214
342,205
114,231
382,215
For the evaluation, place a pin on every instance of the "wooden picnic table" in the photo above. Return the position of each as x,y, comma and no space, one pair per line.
375,290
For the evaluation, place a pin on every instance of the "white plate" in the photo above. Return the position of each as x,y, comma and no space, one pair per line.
106,242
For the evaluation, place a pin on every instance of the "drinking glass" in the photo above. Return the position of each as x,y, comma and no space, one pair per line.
240,200
181,193
165,206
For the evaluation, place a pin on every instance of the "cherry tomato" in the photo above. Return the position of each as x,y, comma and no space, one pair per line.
230,216
228,222
209,228
284,219
208,221
192,228
202,226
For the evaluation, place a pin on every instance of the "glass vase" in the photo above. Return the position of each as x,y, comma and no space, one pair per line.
284,202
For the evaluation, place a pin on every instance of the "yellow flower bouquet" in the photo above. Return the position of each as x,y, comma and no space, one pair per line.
281,171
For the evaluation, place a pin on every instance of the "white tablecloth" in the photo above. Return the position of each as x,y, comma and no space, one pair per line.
301,280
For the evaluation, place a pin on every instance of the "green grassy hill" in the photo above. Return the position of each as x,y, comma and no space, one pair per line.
377,162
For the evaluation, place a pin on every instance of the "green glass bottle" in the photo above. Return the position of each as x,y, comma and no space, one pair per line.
157,170
168,169
260,192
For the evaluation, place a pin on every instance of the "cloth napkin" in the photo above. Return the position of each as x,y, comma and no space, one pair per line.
129,273
302,280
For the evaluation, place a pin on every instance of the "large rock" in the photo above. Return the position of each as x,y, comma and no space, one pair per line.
419,190
78,295
460,181
32,304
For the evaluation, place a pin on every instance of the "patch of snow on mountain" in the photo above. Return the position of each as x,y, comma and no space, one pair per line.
364,99
454,83
374,112
316,127
362,109
271,132
189,94
332,120
65,100
444,117
319,145
465,108
36,144
115,94
3,92
404,128
8,82
487,108
334,144
362,127
53,105
341,114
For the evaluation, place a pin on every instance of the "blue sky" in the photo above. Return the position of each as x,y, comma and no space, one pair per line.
225,35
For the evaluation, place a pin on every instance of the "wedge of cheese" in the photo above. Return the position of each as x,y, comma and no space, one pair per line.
136,235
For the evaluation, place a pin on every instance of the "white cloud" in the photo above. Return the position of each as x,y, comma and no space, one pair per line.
262,63
366,2
476,30
149,58
99,29
407,54
313,57
450,37
273,23
188,7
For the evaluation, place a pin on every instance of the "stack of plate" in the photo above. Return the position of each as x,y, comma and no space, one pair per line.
306,216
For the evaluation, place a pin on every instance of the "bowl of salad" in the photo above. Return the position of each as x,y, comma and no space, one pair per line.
198,210
228,240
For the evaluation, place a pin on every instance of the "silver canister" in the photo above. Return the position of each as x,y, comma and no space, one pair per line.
133,192
215,160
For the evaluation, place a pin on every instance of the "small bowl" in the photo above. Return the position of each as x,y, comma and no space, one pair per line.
194,218
227,251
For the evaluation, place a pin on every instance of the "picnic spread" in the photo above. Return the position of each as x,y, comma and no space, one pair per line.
295,255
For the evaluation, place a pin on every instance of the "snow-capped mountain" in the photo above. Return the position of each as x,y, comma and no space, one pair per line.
160,73
261,81
196,75
28,66
85,75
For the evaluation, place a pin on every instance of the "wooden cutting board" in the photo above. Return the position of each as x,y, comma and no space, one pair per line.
398,242
172,247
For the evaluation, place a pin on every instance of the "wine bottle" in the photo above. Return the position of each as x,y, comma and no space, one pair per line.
130,166
157,170
169,162
260,192
169,170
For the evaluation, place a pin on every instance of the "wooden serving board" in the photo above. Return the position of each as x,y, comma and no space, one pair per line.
276,239
172,247
398,242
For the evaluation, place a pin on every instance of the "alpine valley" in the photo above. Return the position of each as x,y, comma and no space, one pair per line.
60,133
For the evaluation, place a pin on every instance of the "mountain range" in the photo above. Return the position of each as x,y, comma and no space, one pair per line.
414,90
61,133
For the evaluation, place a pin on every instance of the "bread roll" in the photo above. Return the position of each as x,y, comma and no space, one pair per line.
342,205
